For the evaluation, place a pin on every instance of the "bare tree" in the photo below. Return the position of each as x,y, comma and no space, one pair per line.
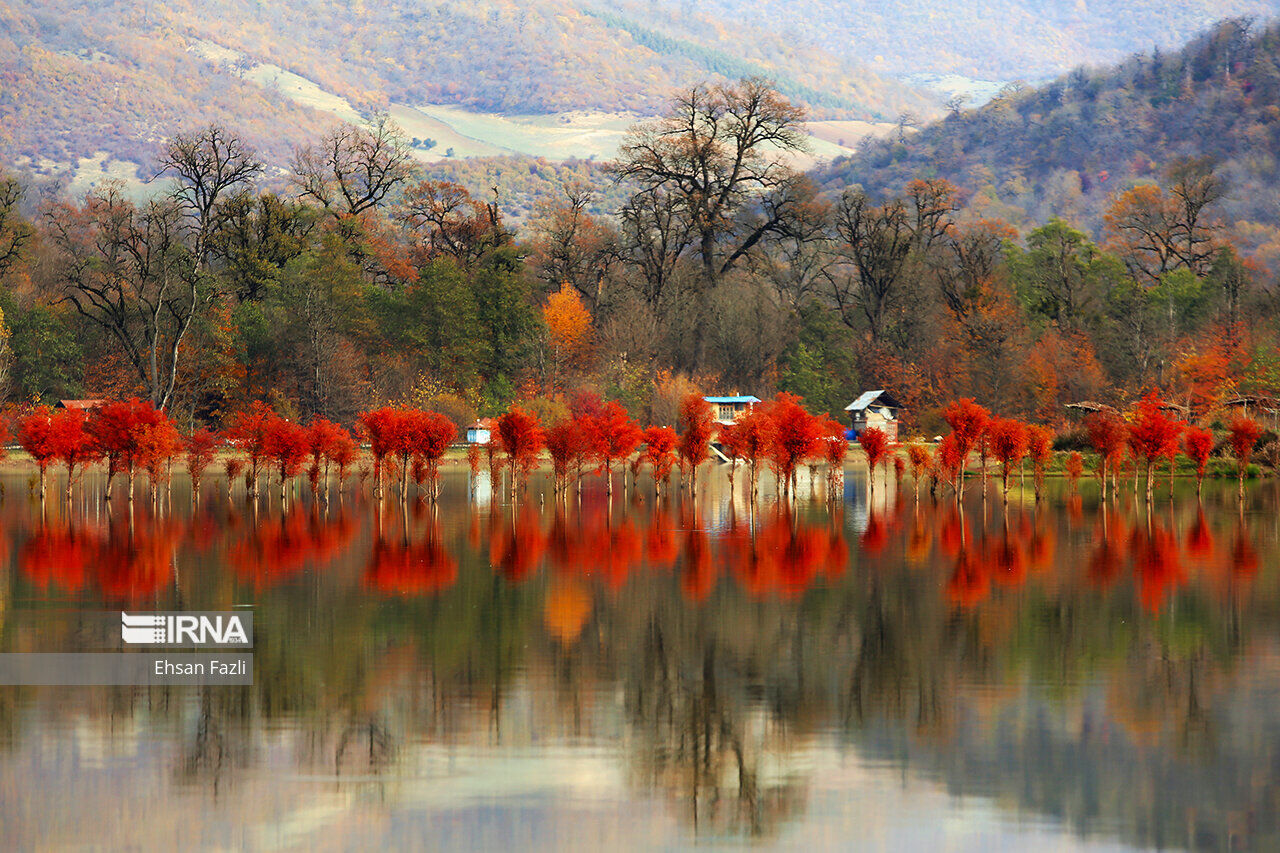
206,165
798,260
654,236
354,169
717,151
570,245
128,270
877,241
14,230
448,220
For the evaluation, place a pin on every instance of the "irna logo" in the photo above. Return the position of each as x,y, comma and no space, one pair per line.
187,629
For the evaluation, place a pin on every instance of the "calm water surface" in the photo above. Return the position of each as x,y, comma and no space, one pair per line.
625,675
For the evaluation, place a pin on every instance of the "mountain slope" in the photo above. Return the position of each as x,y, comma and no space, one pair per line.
1062,148
994,39
79,78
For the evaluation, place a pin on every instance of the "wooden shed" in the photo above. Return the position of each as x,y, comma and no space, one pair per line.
875,409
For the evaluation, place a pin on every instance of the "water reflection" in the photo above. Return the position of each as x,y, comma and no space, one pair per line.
654,674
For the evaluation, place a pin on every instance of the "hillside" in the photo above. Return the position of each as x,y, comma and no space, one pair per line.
1000,40
1061,149
100,82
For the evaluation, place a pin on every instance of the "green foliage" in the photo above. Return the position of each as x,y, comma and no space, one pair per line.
46,355
434,322
819,365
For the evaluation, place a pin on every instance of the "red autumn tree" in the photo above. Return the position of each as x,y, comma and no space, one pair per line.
753,437
611,436
921,460
1108,435
795,435
660,452
1040,448
116,426
247,430
433,433
1242,436
1153,434
234,467
343,455
158,443
1198,445
835,449
696,425
1008,439
522,438
200,448
875,444
379,427
566,446
36,435
323,438
949,462
968,422
1075,467
286,446
729,438
71,444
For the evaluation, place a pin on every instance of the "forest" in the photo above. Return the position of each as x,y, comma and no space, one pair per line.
1065,147
79,79
366,284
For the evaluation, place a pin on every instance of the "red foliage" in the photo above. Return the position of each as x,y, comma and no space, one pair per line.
1242,436
116,427
324,437
795,436
60,435
949,460
408,436
1040,448
286,445
247,430
566,446
753,435
695,424
610,435
1009,439
968,422
200,447
158,442
875,443
1198,445
1153,434
659,451
1074,467
522,438
1108,435
921,460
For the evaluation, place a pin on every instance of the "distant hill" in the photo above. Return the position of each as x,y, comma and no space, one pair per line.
991,39
1062,148
105,80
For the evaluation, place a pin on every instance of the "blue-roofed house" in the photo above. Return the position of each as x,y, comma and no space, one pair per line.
728,409
875,409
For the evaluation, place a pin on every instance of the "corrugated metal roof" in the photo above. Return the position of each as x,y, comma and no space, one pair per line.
746,398
867,398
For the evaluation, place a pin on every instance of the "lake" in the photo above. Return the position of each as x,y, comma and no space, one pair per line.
631,674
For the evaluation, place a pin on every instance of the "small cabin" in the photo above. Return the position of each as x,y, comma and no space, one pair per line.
480,432
729,409
875,409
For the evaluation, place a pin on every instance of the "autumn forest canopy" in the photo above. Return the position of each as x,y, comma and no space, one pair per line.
357,280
